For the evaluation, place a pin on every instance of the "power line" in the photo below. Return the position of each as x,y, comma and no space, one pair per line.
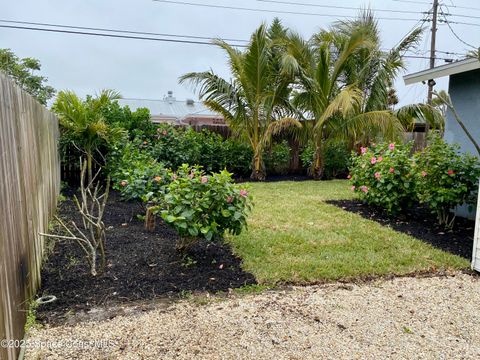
465,7
271,11
457,36
115,30
413,2
112,35
336,6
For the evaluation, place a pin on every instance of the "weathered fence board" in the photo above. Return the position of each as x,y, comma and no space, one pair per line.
29,185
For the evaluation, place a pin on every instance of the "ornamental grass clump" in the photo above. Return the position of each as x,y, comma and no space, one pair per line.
446,178
383,176
199,206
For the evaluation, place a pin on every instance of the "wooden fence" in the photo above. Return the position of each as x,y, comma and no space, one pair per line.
29,185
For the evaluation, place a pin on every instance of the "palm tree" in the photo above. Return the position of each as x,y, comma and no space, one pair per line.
83,123
331,105
255,102
345,84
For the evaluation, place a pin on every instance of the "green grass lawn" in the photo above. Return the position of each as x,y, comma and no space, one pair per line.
294,236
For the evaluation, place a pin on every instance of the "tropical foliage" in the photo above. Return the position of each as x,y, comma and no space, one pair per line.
22,71
255,103
345,84
83,123
339,84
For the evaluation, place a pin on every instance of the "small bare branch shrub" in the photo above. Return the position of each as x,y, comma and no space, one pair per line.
90,234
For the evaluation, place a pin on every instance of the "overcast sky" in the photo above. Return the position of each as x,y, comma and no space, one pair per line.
148,69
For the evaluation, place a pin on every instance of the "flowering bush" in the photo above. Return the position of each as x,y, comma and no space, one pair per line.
204,206
446,178
383,176
137,175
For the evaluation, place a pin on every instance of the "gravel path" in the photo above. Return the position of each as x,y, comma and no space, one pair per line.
403,318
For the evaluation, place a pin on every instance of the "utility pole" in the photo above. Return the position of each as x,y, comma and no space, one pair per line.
431,82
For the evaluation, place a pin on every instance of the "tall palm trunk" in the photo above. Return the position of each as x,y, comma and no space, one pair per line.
294,162
318,165
258,166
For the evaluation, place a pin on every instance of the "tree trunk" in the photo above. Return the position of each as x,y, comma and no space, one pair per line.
318,164
150,220
294,165
89,169
258,167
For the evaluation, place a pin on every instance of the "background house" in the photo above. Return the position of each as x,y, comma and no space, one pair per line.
464,91
177,112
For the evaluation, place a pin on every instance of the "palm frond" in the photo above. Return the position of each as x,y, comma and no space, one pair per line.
409,115
344,104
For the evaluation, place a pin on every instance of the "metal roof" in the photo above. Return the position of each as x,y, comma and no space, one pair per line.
169,107
441,71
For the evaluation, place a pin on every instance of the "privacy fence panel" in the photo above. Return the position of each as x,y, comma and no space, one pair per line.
29,185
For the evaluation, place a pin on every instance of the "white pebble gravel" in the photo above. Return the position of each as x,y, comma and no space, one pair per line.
403,318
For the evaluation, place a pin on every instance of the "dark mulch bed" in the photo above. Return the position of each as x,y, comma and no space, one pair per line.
421,224
141,265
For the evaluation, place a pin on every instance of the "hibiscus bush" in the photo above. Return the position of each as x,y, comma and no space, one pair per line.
446,178
136,174
383,176
199,206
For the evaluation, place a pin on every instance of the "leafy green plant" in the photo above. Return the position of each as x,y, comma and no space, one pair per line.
277,158
446,178
383,176
136,174
256,101
198,206
83,125
337,159
22,71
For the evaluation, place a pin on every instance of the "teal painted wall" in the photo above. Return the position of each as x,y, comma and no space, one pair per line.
464,90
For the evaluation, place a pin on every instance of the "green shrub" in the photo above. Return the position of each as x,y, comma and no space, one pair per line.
383,176
204,206
446,178
277,159
136,174
337,159
238,157
175,146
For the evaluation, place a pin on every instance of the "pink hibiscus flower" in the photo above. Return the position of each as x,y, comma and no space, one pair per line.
391,170
243,193
424,173
377,175
364,189
391,146
204,179
363,150
373,161
353,188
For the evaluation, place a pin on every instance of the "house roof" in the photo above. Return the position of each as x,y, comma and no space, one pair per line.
441,71
169,107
